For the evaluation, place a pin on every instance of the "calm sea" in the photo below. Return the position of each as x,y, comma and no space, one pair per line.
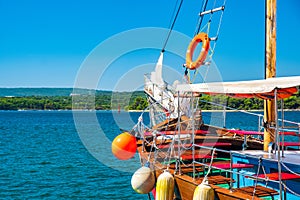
58,155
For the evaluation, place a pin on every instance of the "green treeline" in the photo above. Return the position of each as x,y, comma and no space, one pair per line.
103,100
35,103
126,101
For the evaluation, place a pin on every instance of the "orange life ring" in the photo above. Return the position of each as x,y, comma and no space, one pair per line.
201,37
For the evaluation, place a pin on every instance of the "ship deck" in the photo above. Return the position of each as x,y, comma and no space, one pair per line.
290,156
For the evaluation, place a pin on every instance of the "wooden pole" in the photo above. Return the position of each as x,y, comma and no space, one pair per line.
270,70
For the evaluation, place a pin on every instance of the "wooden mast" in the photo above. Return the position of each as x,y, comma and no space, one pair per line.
270,70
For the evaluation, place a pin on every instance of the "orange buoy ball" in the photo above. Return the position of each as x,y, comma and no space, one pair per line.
124,146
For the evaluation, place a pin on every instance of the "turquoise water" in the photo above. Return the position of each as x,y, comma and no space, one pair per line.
42,156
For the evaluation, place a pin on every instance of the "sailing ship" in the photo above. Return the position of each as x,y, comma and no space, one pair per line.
183,157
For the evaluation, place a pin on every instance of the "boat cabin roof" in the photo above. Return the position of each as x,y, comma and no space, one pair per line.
286,86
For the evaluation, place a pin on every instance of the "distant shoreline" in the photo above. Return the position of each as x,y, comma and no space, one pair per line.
133,111
223,110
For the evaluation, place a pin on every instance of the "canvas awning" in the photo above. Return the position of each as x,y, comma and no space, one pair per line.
286,86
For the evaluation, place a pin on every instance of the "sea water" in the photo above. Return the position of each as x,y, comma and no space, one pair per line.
62,155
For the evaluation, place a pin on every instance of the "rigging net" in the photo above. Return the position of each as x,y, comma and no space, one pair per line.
209,21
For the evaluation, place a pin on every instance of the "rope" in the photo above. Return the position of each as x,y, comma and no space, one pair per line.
256,179
198,29
167,156
149,197
218,31
290,190
230,108
286,167
149,156
172,26
170,150
200,19
211,14
210,165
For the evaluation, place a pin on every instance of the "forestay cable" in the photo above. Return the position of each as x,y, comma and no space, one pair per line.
172,25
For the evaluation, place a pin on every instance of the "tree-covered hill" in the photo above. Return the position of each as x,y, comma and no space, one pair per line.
62,99
67,99
25,92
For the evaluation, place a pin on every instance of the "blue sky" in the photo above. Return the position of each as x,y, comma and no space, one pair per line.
44,43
